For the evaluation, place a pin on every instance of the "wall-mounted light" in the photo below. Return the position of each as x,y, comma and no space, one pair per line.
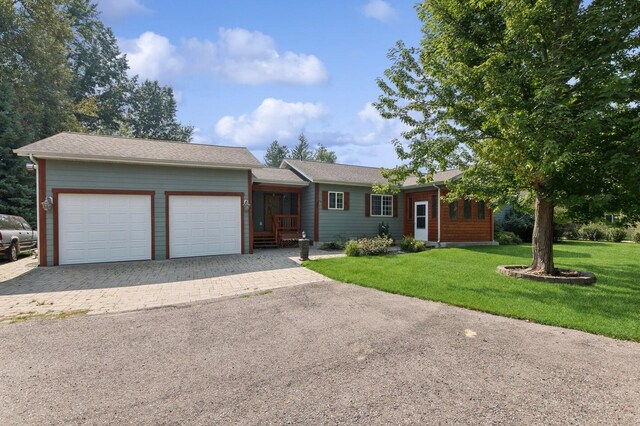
47,204
246,204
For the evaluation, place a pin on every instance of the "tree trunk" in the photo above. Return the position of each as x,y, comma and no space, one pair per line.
542,242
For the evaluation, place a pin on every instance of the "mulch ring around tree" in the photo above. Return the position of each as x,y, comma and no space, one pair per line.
563,276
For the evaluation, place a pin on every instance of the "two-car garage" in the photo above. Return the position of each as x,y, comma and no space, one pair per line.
110,226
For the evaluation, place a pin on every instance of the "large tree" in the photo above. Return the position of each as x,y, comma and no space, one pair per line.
152,114
540,98
275,154
323,155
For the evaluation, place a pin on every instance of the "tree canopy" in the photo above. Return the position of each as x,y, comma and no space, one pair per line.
301,151
536,98
62,70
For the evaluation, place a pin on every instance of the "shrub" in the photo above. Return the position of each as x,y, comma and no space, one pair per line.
351,249
617,235
636,237
411,245
338,244
592,232
368,246
517,222
571,231
505,238
383,230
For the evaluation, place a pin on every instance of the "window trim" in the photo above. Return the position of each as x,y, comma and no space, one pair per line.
336,200
390,198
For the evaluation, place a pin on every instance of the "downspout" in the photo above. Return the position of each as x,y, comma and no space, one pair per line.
35,166
439,213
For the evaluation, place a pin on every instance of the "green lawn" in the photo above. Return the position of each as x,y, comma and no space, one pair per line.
467,277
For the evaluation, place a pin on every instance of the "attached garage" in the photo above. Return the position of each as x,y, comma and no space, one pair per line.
204,225
103,227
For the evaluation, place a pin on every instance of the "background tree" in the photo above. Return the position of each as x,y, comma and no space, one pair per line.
325,156
17,191
151,114
302,151
100,85
540,98
275,154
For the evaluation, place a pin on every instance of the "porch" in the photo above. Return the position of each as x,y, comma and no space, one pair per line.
276,216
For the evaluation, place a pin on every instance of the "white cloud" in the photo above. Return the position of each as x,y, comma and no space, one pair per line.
273,119
239,56
250,57
152,56
380,10
117,10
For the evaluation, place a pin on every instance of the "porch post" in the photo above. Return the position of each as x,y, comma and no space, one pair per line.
299,206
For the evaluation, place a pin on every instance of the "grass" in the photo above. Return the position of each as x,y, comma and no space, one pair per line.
26,316
466,277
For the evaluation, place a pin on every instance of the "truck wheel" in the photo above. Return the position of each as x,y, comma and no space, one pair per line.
13,253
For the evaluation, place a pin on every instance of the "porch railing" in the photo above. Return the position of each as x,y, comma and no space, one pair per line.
286,227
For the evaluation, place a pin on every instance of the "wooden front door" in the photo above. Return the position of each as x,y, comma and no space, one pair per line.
272,205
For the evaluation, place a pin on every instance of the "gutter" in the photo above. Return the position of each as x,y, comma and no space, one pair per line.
439,214
141,161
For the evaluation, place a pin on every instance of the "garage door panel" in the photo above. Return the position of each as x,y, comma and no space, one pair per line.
104,228
204,225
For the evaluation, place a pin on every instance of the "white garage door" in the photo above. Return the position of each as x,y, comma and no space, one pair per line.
103,228
204,225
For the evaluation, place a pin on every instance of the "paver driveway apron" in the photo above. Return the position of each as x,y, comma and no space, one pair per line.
117,287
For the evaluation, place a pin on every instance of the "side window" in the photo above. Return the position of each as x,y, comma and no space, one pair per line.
467,209
480,205
4,222
434,207
14,223
453,210
25,225
336,200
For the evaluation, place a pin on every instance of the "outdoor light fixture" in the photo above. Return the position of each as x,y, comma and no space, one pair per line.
304,235
246,204
47,204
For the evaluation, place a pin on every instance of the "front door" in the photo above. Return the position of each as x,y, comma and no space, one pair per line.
272,205
420,225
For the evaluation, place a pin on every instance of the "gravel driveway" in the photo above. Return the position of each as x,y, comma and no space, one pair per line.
323,353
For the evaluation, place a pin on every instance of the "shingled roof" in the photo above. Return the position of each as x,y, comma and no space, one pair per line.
269,175
82,146
346,174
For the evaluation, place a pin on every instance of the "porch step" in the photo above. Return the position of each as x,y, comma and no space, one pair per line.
264,241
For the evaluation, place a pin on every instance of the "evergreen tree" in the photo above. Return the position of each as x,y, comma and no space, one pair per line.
325,156
302,151
275,154
152,114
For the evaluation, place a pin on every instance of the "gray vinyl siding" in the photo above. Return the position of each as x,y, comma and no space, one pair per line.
114,176
307,210
353,223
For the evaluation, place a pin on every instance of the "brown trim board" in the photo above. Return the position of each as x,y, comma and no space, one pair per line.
168,194
250,198
57,191
42,222
316,213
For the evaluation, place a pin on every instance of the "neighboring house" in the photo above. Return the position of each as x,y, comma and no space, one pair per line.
104,199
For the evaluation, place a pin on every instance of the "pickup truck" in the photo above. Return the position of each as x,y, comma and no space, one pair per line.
16,236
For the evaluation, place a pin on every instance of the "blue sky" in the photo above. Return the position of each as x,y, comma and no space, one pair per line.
248,72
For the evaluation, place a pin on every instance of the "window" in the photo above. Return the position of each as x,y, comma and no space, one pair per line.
453,211
480,206
336,200
381,205
467,209
434,207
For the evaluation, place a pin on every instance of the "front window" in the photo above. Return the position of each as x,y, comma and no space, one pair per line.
453,211
480,205
336,200
381,205
467,209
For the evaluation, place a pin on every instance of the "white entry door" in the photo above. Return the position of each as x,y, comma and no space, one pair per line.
421,221
204,225
103,228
